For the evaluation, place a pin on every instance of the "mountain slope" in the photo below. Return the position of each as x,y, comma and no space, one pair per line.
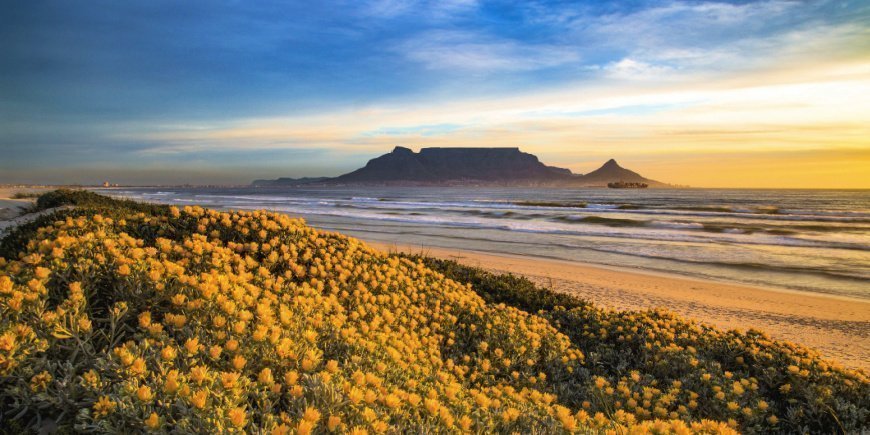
611,172
452,166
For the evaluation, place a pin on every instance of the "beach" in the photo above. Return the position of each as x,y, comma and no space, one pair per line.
838,327
11,208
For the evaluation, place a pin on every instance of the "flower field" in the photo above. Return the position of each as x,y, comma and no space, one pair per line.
117,316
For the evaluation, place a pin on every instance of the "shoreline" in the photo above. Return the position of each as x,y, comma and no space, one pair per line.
837,326
621,269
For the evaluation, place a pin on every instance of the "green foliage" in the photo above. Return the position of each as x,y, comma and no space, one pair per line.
509,289
96,202
25,195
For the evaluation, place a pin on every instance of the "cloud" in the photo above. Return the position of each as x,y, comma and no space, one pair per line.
434,10
631,69
464,51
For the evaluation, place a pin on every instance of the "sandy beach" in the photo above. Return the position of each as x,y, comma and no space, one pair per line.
838,327
11,208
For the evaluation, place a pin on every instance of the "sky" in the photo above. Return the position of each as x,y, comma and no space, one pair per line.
702,93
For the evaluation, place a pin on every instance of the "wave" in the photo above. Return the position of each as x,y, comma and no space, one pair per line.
551,204
766,213
850,275
611,222
591,227
494,210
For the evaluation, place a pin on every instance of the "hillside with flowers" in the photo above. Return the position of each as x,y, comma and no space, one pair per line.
124,317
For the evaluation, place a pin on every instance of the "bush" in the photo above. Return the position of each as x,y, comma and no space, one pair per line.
25,195
117,316
655,364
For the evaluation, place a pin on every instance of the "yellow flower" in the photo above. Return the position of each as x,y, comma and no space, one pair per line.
153,421
215,351
237,416
304,427
90,378
123,270
600,382
144,393
192,346
355,395
239,362
290,378
281,429
40,381
104,406
168,353
392,401
333,423
199,399
432,406
229,380
308,364
265,376
311,414
199,374
145,319
171,384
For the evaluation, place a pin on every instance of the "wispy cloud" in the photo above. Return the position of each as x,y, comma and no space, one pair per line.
465,51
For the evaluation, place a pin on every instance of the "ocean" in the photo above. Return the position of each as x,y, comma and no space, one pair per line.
806,240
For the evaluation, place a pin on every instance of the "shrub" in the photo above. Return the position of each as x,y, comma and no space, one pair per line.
201,321
117,316
655,364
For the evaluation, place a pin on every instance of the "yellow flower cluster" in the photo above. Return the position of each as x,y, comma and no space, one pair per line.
203,321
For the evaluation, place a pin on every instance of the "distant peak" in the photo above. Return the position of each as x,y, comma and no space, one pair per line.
399,149
611,163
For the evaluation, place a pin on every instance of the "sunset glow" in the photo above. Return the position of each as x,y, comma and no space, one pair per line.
708,94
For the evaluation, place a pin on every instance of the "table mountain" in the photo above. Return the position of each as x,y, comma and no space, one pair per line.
471,166
455,164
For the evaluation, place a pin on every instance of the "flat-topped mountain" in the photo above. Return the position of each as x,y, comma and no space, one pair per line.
454,164
471,166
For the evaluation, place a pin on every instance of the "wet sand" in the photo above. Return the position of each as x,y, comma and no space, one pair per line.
838,327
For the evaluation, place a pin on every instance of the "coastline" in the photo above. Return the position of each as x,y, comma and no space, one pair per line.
12,209
839,327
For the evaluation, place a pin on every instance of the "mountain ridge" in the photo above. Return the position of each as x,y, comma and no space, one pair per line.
468,166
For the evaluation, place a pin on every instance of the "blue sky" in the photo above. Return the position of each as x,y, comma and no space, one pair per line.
225,92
